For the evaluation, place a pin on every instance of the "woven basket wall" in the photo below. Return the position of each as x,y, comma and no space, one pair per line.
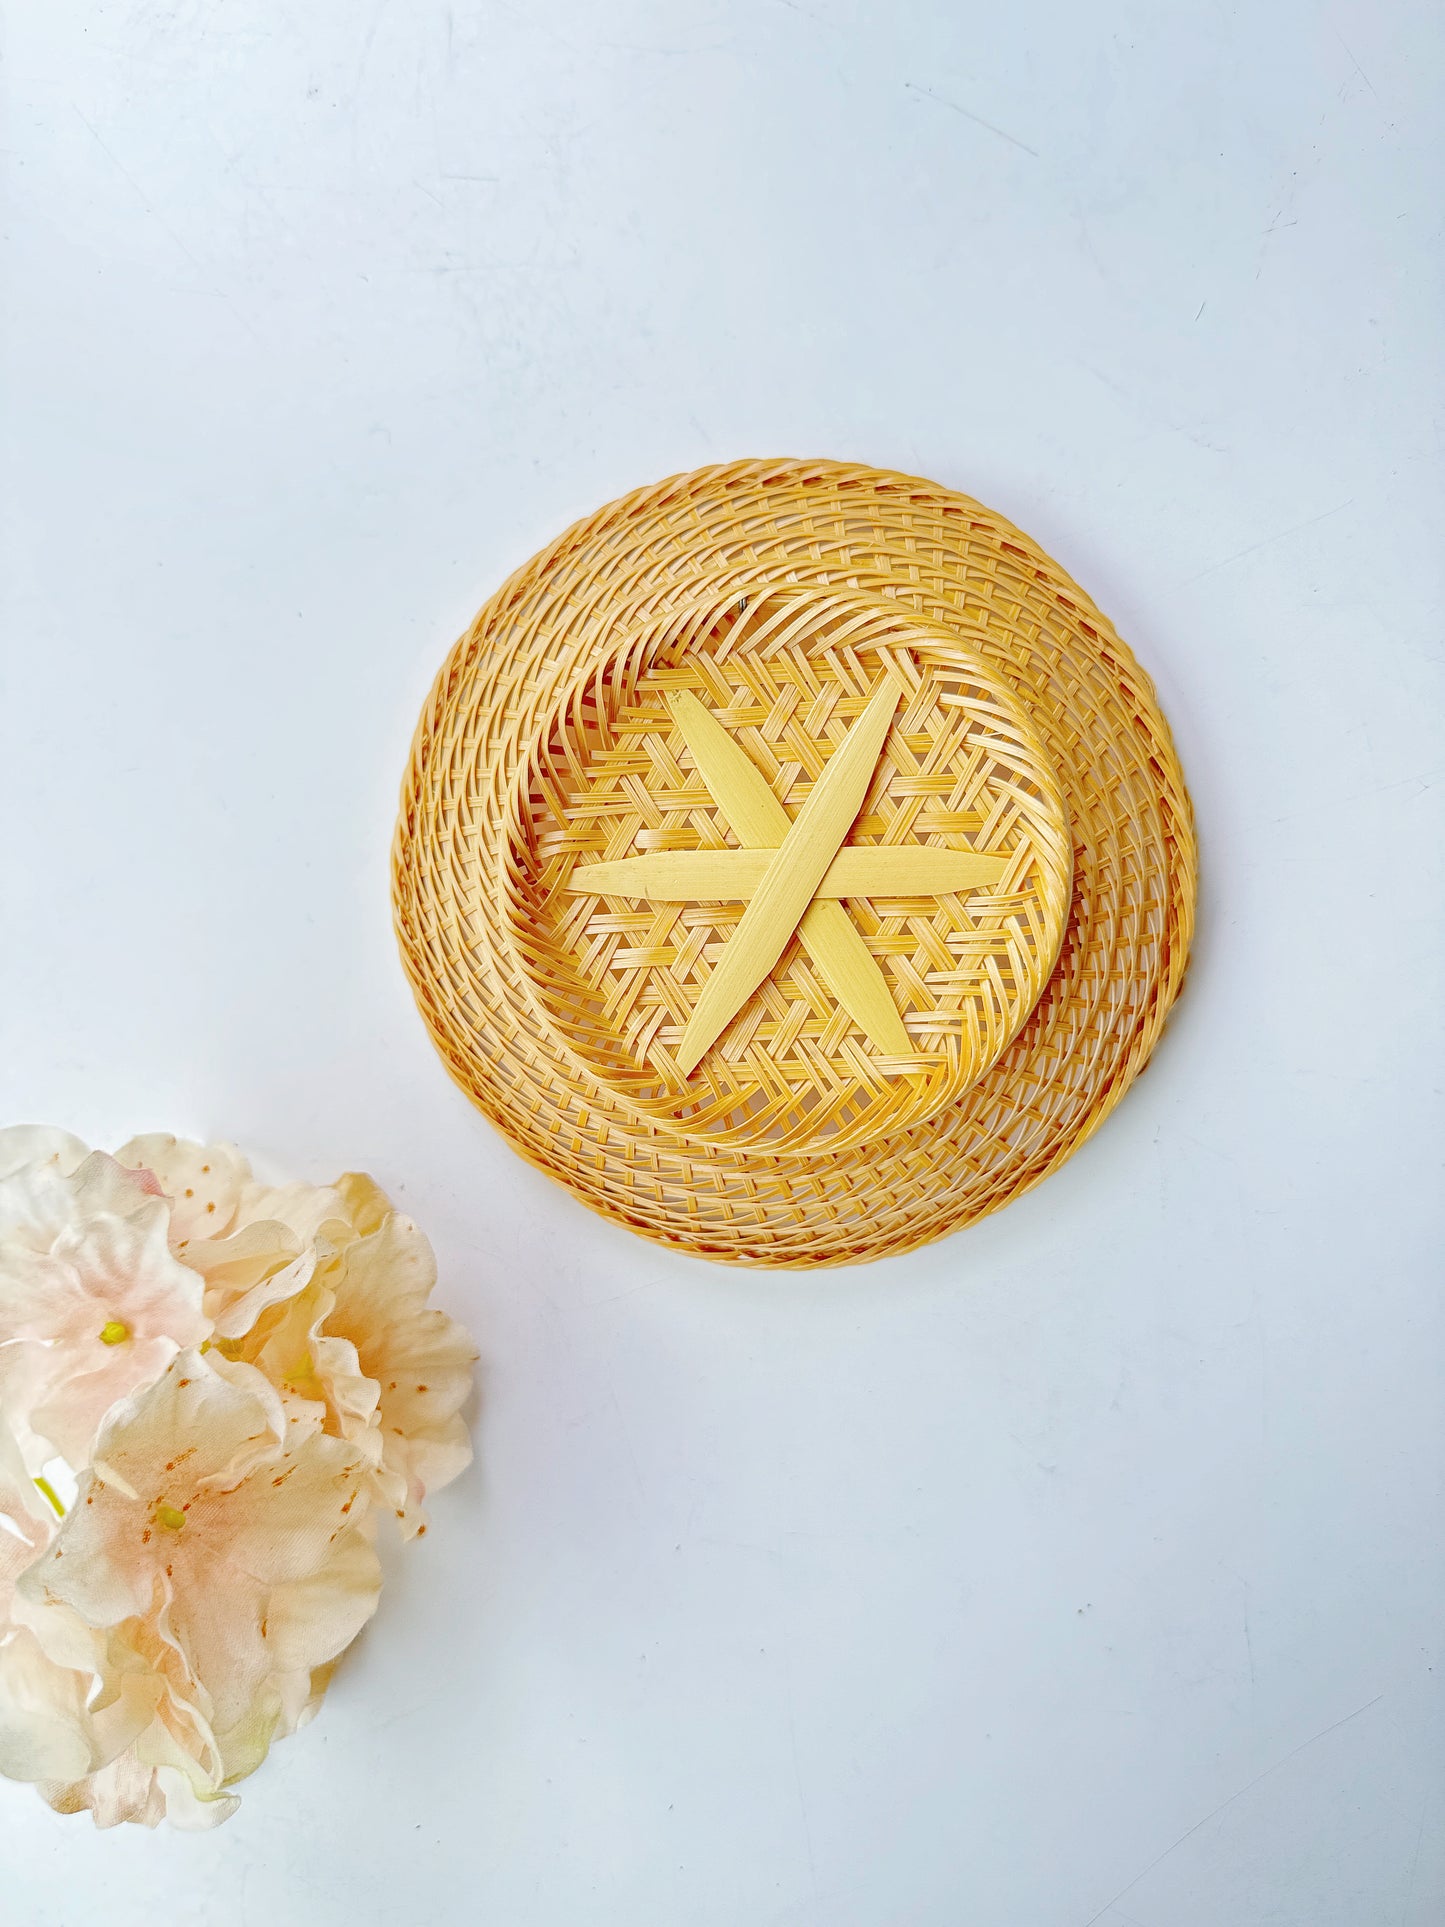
993,1022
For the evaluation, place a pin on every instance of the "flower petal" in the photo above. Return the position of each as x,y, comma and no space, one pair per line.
22,1144
124,1790
203,1181
41,1202
195,1428
312,1619
90,1321
42,1713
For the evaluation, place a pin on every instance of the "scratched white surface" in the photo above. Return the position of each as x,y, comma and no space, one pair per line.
1085,1568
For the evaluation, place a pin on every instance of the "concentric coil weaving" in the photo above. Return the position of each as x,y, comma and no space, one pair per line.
794,863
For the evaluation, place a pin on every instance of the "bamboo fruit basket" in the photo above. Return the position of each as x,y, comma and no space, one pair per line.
794,863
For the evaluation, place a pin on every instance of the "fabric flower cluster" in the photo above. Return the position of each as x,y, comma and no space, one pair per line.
210,1391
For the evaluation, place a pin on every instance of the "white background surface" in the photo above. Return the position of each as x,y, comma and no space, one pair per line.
1085,1568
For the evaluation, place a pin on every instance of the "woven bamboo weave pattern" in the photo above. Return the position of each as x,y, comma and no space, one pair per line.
961,770
797,1141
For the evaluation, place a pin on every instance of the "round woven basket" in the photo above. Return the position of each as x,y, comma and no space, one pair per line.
794,862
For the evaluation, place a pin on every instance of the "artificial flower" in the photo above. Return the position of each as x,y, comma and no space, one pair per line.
179,1579
42,1706
203,1500
326,1288
390,1371
92,1301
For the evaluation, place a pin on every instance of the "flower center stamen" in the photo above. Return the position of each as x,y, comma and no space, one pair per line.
171,1517
49,1490
113,1332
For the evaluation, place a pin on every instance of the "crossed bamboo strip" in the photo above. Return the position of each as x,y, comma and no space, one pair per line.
791,874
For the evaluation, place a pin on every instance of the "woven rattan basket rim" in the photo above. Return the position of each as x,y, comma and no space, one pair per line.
946,557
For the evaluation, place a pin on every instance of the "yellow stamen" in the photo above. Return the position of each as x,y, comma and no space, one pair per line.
171,1517
113,1332
49,1490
